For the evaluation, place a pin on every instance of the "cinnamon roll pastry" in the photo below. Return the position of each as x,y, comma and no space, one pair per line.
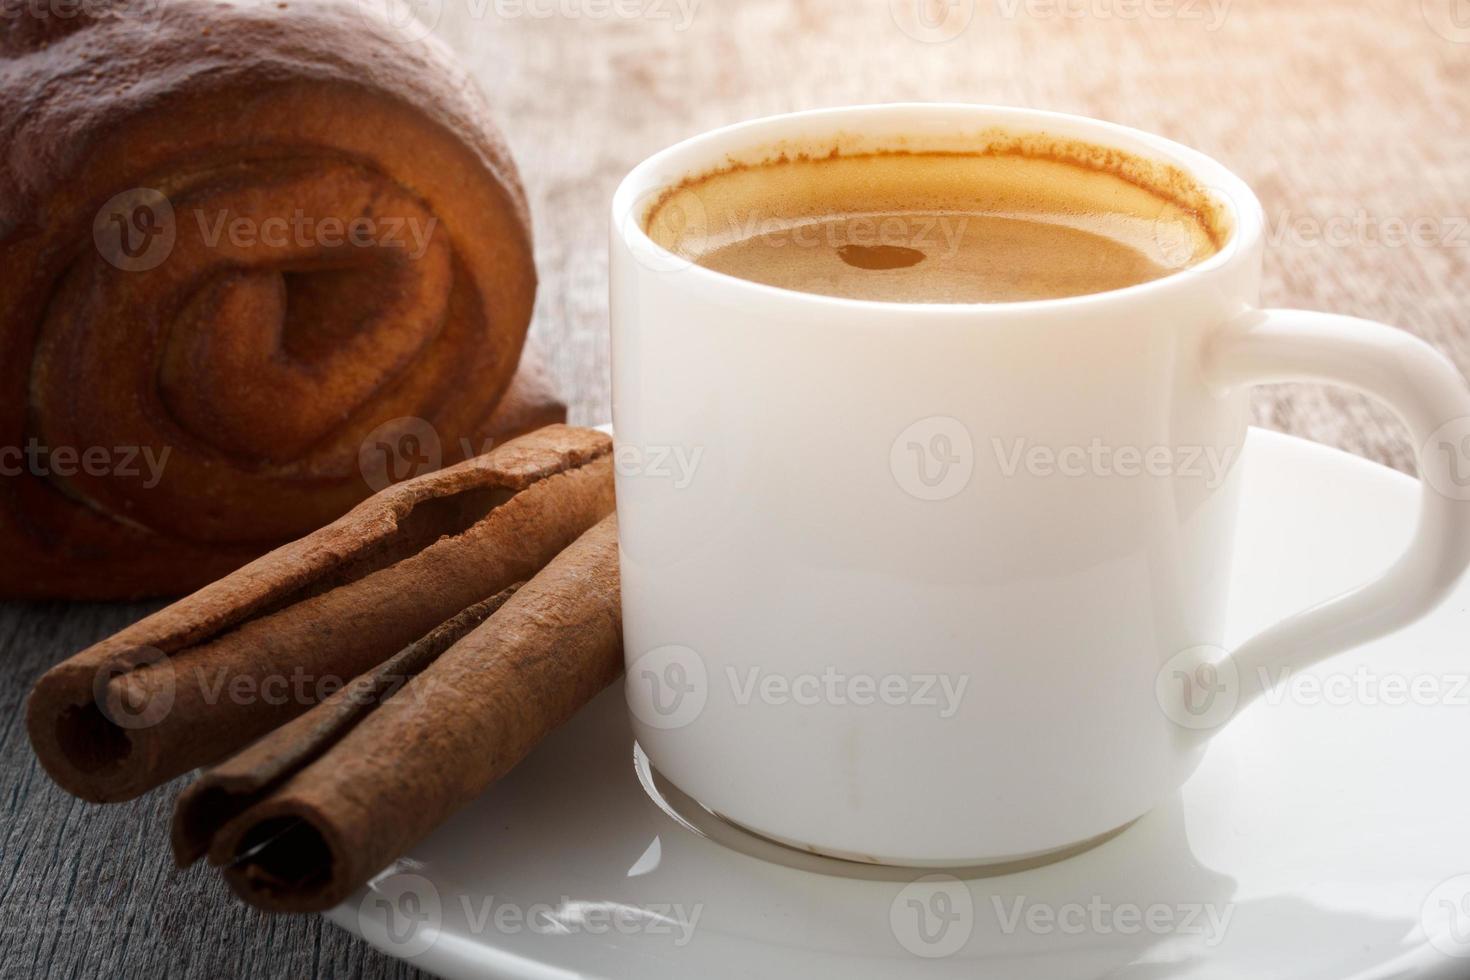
258,259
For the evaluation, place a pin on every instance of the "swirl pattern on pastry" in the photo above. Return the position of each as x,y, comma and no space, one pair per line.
238,239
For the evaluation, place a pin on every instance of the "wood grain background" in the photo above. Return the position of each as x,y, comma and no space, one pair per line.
1351,119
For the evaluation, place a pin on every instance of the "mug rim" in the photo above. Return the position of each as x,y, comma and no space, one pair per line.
661,172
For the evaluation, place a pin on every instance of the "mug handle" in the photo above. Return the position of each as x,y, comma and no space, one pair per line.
1431,397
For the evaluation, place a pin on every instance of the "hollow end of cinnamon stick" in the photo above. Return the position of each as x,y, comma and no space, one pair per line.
285,858
196,816
93,722
87,753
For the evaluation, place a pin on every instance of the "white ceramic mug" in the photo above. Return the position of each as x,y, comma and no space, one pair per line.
862,614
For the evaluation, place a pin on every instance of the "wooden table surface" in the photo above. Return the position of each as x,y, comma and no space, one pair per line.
1351,119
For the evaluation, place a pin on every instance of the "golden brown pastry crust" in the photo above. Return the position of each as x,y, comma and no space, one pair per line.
262,367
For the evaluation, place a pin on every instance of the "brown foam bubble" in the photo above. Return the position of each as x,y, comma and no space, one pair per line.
880,256
1024,217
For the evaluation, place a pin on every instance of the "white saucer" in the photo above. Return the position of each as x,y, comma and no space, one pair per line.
1324,837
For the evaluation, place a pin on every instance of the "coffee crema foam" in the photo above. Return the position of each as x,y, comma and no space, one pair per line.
943,227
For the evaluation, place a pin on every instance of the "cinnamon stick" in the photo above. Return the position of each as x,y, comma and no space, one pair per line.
199,680
357,800
234,785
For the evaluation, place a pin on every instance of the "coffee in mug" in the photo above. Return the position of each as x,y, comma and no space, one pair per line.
1020,221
